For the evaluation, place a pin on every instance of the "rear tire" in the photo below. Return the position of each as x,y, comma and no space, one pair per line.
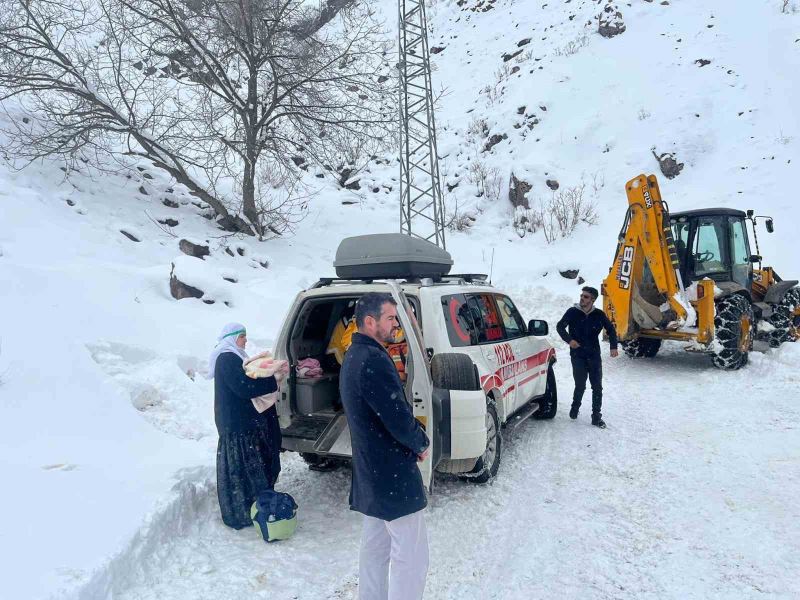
733,332
784,320
548,404
316,462
452,371
641,347
488,464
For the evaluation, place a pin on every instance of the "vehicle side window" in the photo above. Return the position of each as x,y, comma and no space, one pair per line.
741,253
471,319
462,330
512,320
484,310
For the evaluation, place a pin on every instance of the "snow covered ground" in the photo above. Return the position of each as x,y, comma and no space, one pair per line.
684,496
106,425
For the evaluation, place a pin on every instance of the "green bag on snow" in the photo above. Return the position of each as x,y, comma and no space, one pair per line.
274,515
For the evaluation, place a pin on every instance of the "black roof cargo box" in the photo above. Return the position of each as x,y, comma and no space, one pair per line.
390,256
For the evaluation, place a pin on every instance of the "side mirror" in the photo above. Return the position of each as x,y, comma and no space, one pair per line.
750,213
755,258
770,226
538,327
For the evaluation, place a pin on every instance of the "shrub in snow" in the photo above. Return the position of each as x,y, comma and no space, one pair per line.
459,220
559,216
486,180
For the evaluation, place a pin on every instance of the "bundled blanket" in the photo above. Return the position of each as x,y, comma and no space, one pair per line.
263,365
309,368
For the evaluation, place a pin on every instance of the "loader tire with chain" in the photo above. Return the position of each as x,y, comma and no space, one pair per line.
785,320
641,347
733,332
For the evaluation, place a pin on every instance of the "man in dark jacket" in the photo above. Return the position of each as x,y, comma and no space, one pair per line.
580,327
387,442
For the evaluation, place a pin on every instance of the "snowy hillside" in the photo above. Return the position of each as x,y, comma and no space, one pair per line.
107,438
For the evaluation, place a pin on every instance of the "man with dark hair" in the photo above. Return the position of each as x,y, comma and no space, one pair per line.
580,327
387,442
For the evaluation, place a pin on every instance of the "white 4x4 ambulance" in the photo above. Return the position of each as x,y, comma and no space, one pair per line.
470,362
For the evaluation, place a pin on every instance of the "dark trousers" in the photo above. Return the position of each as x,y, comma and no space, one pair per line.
592,367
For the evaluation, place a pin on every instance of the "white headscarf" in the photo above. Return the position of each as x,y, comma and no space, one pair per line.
226,342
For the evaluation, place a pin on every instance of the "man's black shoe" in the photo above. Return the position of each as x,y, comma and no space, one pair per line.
598,422
573,412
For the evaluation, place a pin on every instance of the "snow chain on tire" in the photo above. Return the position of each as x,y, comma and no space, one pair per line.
784,320
733,332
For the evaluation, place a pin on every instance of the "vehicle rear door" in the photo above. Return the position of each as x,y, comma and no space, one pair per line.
419,387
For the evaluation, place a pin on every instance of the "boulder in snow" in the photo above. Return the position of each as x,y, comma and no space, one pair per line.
129,235
192,249
670,167
181,290
609,21
517,192
569,273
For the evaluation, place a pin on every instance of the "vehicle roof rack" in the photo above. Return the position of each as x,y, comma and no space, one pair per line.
464,278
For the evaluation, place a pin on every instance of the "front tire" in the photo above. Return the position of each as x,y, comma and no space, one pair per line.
548,404
488,464
733,332
785,320
641,347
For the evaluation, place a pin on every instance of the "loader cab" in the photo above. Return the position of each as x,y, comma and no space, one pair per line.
713,243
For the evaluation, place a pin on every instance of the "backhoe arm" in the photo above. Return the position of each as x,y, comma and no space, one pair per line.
645,269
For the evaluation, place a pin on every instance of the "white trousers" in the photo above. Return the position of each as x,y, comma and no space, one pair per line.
393,562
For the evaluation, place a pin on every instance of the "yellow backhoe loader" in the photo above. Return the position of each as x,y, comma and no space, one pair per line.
690,277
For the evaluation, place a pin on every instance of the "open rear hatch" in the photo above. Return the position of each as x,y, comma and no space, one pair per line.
318,423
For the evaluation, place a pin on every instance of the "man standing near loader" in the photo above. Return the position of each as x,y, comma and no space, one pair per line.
580,327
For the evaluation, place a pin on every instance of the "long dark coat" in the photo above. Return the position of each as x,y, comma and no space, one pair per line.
386,438
248,451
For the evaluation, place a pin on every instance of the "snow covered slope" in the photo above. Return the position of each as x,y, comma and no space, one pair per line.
106,428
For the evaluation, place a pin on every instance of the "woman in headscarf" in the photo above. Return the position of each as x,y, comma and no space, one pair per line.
248,452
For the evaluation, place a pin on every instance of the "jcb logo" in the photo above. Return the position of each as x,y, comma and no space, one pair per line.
648,201
626,267
757,277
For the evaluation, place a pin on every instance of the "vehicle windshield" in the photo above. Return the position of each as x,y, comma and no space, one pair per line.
710,253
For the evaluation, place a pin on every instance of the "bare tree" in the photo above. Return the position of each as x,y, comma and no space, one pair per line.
57,58
222,94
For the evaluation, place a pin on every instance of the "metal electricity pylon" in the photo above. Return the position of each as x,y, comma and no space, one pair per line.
421,204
